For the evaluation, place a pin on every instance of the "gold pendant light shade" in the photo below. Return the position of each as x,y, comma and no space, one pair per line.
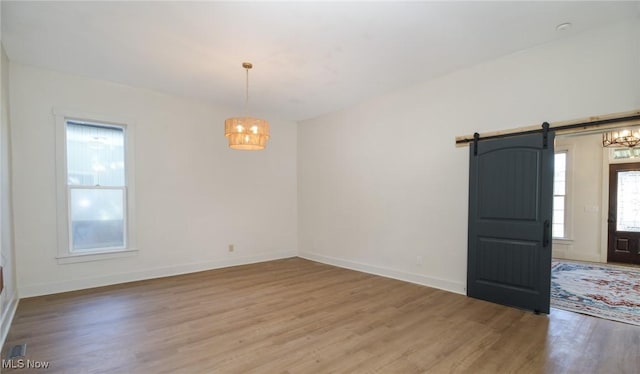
246,133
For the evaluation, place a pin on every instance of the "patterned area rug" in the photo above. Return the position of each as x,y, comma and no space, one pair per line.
610,292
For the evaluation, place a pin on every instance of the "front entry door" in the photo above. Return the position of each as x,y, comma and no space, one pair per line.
624,213
510,210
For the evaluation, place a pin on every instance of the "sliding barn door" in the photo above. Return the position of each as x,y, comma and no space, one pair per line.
510,210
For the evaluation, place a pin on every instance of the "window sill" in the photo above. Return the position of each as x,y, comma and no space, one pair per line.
563,240
95,256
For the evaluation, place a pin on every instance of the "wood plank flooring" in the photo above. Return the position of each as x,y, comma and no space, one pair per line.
299,316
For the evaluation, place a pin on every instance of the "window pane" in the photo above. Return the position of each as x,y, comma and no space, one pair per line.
558,203
95,155
558,217
560,164
628,201
626,153
558,230
560,173
97,218
559,187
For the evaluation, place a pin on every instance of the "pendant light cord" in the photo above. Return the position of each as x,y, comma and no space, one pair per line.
246,100
246,66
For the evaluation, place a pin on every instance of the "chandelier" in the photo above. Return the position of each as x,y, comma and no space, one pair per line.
246,133
625,137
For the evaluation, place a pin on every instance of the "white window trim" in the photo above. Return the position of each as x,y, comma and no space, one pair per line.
568,199
63,252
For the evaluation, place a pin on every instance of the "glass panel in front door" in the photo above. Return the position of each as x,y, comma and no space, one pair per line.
628,201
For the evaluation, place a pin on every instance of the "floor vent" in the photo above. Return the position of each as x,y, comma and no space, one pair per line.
16,351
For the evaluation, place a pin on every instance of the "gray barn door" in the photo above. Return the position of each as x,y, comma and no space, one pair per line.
510,210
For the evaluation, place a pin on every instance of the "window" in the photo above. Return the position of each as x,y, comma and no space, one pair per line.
624,153
94,189
560,195
97,188
628,212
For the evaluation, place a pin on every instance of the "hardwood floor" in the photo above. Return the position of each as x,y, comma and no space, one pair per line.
298,316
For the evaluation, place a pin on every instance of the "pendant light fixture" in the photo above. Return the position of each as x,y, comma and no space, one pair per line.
625,138
246,133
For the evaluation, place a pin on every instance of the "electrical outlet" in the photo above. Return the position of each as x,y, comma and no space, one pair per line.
231,248
419,260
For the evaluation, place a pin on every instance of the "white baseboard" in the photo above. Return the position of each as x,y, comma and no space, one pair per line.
79,284
564,249
577,256
423,280
7,318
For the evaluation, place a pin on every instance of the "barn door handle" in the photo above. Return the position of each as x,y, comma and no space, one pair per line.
545,233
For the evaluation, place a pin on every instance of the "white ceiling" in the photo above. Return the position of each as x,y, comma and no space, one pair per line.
309,58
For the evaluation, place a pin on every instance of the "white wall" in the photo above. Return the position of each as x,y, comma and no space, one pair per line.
585,205
382,183
194,195
9,296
